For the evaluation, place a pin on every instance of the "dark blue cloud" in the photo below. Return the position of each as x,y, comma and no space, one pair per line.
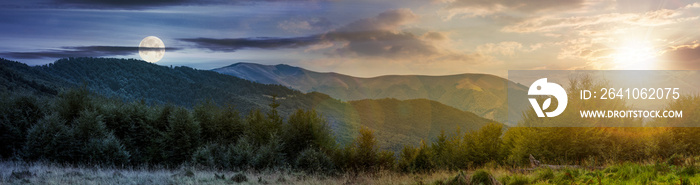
129,4
378,36
257,42
83,51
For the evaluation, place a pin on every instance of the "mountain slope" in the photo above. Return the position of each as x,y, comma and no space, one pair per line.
409,121
396,122
483,94
133,80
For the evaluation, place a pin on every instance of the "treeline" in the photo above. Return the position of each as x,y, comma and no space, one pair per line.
78,127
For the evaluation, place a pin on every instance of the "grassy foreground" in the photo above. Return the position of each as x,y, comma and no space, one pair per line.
674,171
12,172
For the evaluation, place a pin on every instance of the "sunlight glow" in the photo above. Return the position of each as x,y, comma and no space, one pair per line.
635,55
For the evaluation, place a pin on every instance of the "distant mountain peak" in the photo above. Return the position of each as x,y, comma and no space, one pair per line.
483,94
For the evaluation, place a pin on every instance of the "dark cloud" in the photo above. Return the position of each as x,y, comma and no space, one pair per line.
128,4
389,20
80,51
378,36
684,57
381,43
123,3
234,44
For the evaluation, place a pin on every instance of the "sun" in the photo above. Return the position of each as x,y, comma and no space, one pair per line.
635,55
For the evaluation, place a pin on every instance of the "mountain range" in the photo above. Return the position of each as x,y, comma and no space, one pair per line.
483,94
396,122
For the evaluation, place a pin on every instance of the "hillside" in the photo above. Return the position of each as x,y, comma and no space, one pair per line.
482,94
135,80
408,121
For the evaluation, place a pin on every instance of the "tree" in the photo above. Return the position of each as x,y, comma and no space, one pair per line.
183,136
306,129
17,115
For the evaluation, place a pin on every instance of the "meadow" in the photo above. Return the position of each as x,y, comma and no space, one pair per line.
676,170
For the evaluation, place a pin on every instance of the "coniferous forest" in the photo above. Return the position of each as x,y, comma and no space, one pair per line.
62,119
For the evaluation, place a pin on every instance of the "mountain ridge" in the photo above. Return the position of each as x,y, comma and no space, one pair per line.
483,94
135,80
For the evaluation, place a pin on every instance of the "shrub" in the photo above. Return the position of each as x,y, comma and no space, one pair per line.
674,160
423,161
460,178
17,115
385,160
213,156
97,144
71,102
220,125
516,179
51,139
481,177
269,155
107,151
258,128
89,125
544,175
365,150
242,153
182,136
306,129
406,158
363,154
314,161
239,178
132,123
688,171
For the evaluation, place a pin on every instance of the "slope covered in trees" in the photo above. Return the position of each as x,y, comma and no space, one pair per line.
78,127
132,80
410,121
482,94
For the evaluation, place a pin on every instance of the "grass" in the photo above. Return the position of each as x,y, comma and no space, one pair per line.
12,172
625,173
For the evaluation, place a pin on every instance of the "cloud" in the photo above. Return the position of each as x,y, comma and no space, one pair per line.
601,39
230,45
651,18
381,36
683,57
489,7
388,20
437,36
129,4
375,37
300,26
121,3
80,51
502,48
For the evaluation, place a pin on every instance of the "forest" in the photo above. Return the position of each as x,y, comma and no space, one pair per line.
80,127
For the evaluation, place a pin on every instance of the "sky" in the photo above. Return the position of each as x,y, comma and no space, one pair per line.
364,38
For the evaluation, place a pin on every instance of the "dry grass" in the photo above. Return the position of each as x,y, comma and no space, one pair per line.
45,173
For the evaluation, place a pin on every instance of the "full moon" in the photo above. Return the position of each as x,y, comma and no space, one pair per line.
151,49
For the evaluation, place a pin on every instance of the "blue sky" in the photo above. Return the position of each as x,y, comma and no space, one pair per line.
363,38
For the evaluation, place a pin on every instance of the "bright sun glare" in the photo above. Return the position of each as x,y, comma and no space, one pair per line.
635,55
